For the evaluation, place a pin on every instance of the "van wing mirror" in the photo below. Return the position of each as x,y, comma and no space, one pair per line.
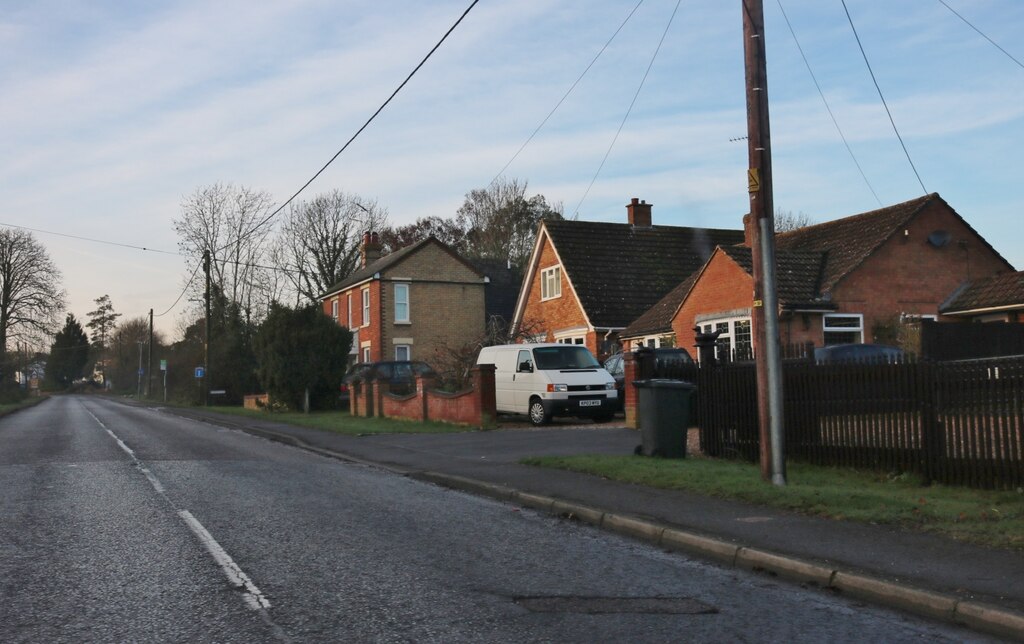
526,366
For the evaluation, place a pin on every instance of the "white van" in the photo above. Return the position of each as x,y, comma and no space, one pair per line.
545,380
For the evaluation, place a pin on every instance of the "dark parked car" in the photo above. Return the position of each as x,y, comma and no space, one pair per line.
399,374
870,353
663,357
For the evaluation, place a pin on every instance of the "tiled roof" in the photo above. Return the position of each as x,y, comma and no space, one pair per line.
1005,289
619,270
658,318
851,240
797,275
390,260
502,290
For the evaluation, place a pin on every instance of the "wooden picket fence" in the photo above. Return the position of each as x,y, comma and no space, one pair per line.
953,422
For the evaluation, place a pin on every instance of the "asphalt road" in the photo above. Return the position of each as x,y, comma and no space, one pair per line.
127,524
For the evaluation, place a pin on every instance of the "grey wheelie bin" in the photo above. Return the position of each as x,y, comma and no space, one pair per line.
664,414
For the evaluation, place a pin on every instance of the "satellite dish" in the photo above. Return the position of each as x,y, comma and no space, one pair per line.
939,238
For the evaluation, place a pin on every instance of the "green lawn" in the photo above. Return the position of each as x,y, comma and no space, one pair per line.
344,423
979,516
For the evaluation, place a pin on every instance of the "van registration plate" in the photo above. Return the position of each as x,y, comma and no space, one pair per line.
590,403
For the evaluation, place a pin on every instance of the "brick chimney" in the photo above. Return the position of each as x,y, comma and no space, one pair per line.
748,230
638,213
371,248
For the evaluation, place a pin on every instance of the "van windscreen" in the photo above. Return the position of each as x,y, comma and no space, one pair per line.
567,357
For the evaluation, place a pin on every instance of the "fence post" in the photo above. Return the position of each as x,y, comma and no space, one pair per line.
931,427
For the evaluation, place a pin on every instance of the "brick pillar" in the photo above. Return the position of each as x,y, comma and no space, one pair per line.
379,388
484,396
423,386
355,390
637,365
368,397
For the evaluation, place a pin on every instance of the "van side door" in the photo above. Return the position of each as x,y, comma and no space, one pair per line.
524,381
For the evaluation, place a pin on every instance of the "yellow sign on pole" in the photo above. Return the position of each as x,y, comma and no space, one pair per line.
753,180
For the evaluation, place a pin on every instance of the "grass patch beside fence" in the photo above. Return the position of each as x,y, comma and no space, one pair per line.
343,423
985,517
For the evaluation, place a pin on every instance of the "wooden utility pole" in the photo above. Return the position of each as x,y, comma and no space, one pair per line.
149,359
765,312
205,380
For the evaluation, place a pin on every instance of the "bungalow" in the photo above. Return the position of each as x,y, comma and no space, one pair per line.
997,298
849,280
586,281
406,305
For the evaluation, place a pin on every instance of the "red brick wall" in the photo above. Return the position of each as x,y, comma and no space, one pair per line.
909,275
476,407
555,314
723,286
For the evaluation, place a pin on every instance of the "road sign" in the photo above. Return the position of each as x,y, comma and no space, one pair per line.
163,365
200,372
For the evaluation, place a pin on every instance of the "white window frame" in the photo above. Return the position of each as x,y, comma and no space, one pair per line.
572,339
551,283
349,310
825,329
400,288
366,307
334,309
366,355
729,333
399,348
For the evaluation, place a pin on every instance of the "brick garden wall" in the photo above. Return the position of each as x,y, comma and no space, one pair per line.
475,407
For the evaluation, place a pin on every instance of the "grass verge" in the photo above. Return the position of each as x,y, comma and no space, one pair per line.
991,518
344,423
10,408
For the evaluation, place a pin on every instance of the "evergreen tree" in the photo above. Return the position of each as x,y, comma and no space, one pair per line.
69,354
301,350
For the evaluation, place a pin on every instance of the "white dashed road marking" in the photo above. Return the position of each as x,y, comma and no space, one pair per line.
252,595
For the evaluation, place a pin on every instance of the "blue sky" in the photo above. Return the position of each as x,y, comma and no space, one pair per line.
114,111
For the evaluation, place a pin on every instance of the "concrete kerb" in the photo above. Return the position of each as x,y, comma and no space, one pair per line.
929,604
990,620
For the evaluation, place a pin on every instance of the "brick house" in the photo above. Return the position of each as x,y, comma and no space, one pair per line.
849,280
586,281
404,305
997,298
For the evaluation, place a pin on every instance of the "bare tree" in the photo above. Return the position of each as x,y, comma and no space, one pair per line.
786,221
320,241
31,300
501,221
231,223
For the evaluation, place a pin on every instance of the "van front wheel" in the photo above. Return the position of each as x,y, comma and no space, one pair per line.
538,415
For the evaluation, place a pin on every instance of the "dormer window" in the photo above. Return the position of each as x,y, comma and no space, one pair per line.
551,283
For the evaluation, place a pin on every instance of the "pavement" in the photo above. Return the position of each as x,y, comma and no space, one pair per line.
928,575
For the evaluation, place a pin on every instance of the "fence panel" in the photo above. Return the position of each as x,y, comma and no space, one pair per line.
958,423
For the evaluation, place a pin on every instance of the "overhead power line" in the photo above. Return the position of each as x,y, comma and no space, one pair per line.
91,239
881,96
994,43
827,107
360,130
566,95
630,109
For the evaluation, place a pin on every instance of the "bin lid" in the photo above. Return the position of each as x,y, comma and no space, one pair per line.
664,383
